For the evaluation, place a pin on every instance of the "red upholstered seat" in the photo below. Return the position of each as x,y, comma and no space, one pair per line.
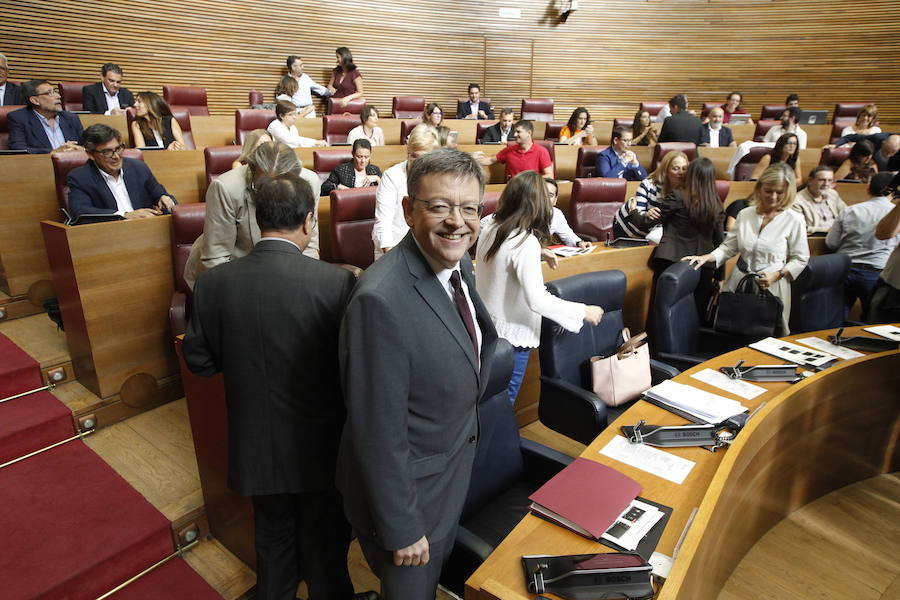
352,219
847,110
836,128
255,97
587,158
190,97
70,94
708,106
248,119
771,111
537,109
481,127
63,162
354,107
554,128
663,148
187,225
407,107
218,160
406,127
337,127
551,148
722,188
183,116
833,157
653,107
762,127
326,160
621,122
4,125
748,162
594,204
490,200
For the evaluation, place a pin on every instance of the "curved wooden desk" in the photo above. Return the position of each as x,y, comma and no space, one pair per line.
837,427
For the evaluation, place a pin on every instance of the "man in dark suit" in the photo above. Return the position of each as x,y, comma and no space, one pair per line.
43,127
107,96
501,132
10,94
416,348
475,108
269,322
682,126
101,186
714,133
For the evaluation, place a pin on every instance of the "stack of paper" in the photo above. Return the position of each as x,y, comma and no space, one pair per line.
633,524
887,331
693,403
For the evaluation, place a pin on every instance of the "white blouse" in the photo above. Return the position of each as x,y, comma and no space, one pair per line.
358,132
291,137
512,286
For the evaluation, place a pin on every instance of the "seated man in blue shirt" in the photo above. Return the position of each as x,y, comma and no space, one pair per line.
43,127
618,160
111,184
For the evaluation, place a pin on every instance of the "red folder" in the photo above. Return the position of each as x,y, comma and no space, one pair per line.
585,497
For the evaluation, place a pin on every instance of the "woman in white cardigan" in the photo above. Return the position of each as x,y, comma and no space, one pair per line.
770,238
508,272
282,129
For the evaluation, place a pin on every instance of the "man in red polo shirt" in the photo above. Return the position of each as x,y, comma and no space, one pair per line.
524,156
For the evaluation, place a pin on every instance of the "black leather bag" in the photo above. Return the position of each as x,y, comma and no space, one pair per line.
749,311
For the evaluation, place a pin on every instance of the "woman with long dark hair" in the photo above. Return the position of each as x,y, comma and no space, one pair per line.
510,280
579,129
786,150
346,82
644,134
860,165
154,125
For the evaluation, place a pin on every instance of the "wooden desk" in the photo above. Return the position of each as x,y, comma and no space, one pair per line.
807,441
214,131
117,122
182,173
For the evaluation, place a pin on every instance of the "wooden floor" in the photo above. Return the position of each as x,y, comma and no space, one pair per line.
845,545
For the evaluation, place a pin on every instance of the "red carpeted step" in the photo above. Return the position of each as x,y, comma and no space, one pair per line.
175,580
18,371
73,528
32,422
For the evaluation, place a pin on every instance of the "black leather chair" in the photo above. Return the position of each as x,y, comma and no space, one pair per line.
817,295
567,404
506,471
678,339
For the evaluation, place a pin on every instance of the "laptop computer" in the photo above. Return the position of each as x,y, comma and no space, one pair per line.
813,117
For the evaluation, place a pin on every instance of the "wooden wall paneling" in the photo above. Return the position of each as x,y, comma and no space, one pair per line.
217,130
182,173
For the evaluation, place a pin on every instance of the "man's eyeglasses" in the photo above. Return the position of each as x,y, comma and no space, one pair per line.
47,93
441,210
110,152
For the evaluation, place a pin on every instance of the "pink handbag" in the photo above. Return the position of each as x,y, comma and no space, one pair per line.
625,375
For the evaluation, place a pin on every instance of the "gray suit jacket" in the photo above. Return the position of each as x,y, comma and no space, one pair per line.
411,384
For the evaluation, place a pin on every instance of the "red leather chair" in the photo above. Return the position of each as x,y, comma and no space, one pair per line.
489,200
708,106
622,123
834,157
406,127
4,124
653,107
837,127
748,162
771,111
551,148
63,163
762,127
554,128
587,158
481,127
218,160
354,107
352,219
183,116
187,225
594,204
663,148
460,102
190,97
847,110
722,188
337,127
537,109
70,94
256,97
326,160
408,107
248,119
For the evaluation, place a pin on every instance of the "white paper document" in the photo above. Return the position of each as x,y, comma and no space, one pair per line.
652,460
825,345
565,251
633,524
794,353
886,331
694,403
738,387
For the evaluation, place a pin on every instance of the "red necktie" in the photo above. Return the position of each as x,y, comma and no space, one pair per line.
463,307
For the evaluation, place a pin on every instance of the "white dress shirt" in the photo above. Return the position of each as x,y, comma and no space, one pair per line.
303,95
119,191
291,137
112,101
390,224
776,132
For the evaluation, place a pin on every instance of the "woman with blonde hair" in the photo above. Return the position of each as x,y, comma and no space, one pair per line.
252,141
770,238
865,122
668,177
510,280
154,125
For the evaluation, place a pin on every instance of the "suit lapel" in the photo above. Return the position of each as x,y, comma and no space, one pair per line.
99,183
135,193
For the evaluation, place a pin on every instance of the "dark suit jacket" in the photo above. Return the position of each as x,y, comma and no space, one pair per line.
680,238
12,95
345,174
725,136
411,384
27,133
492,134
93,100
463,110
269,322
681,127
88,192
